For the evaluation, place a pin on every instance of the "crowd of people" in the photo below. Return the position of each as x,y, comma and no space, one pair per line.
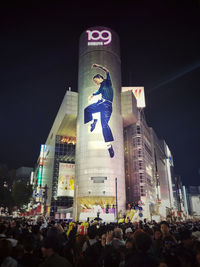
25,242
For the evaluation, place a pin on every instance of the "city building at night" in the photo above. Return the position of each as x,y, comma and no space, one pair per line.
57,156
101,158
193,200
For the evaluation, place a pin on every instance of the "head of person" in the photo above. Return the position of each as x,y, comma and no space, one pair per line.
103,240
52,231
98,79
35,229
149,231
186,238
50,245
118,233
157,233
129,243
128,232
13,224
5,248
92,232
137,232
2,229
164,226
28,243
143,242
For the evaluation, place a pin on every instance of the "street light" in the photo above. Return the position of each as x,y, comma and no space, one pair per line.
116,198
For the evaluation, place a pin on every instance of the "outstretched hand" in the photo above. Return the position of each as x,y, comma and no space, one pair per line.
95,65
100,67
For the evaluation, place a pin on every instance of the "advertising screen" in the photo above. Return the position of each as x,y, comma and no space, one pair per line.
66,180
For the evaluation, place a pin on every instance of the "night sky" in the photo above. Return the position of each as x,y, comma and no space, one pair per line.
160,50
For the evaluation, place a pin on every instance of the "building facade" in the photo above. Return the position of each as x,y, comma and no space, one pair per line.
55,169
193,200
100,155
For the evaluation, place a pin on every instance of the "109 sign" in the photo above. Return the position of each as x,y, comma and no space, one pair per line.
99,37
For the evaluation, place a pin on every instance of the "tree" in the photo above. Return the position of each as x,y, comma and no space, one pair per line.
5,191
21,193
12,192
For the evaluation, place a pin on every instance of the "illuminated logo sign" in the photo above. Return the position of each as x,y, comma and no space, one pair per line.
68,140
138,93
99,37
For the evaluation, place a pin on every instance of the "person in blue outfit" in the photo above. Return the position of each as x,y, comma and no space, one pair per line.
104,106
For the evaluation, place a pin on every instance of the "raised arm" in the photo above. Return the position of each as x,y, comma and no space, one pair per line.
100,67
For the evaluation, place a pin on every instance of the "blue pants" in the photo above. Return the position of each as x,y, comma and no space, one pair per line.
105,108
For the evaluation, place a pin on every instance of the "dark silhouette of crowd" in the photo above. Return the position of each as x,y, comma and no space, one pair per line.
25,242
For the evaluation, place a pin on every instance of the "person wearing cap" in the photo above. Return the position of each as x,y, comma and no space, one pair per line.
128,233
50,248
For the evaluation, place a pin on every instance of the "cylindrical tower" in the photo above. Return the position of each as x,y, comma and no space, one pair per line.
99,148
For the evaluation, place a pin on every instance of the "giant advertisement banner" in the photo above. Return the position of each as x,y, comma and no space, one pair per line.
99,148
66,180
102,105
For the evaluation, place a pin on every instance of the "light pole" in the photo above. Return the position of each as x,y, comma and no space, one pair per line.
76,204
45,198
116,198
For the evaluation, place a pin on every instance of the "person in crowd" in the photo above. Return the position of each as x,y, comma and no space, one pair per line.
92,237
130,249
165,229
141,257
110,255
157,242
177,245
128,233
197,254
117,240
29,258
13,230
185,251
6,259
50,248
3,230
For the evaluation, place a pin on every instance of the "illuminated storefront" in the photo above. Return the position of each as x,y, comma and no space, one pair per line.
63,175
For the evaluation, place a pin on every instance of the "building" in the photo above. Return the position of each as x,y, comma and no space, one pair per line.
193,200
139,166
99,152
55,169
100,156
